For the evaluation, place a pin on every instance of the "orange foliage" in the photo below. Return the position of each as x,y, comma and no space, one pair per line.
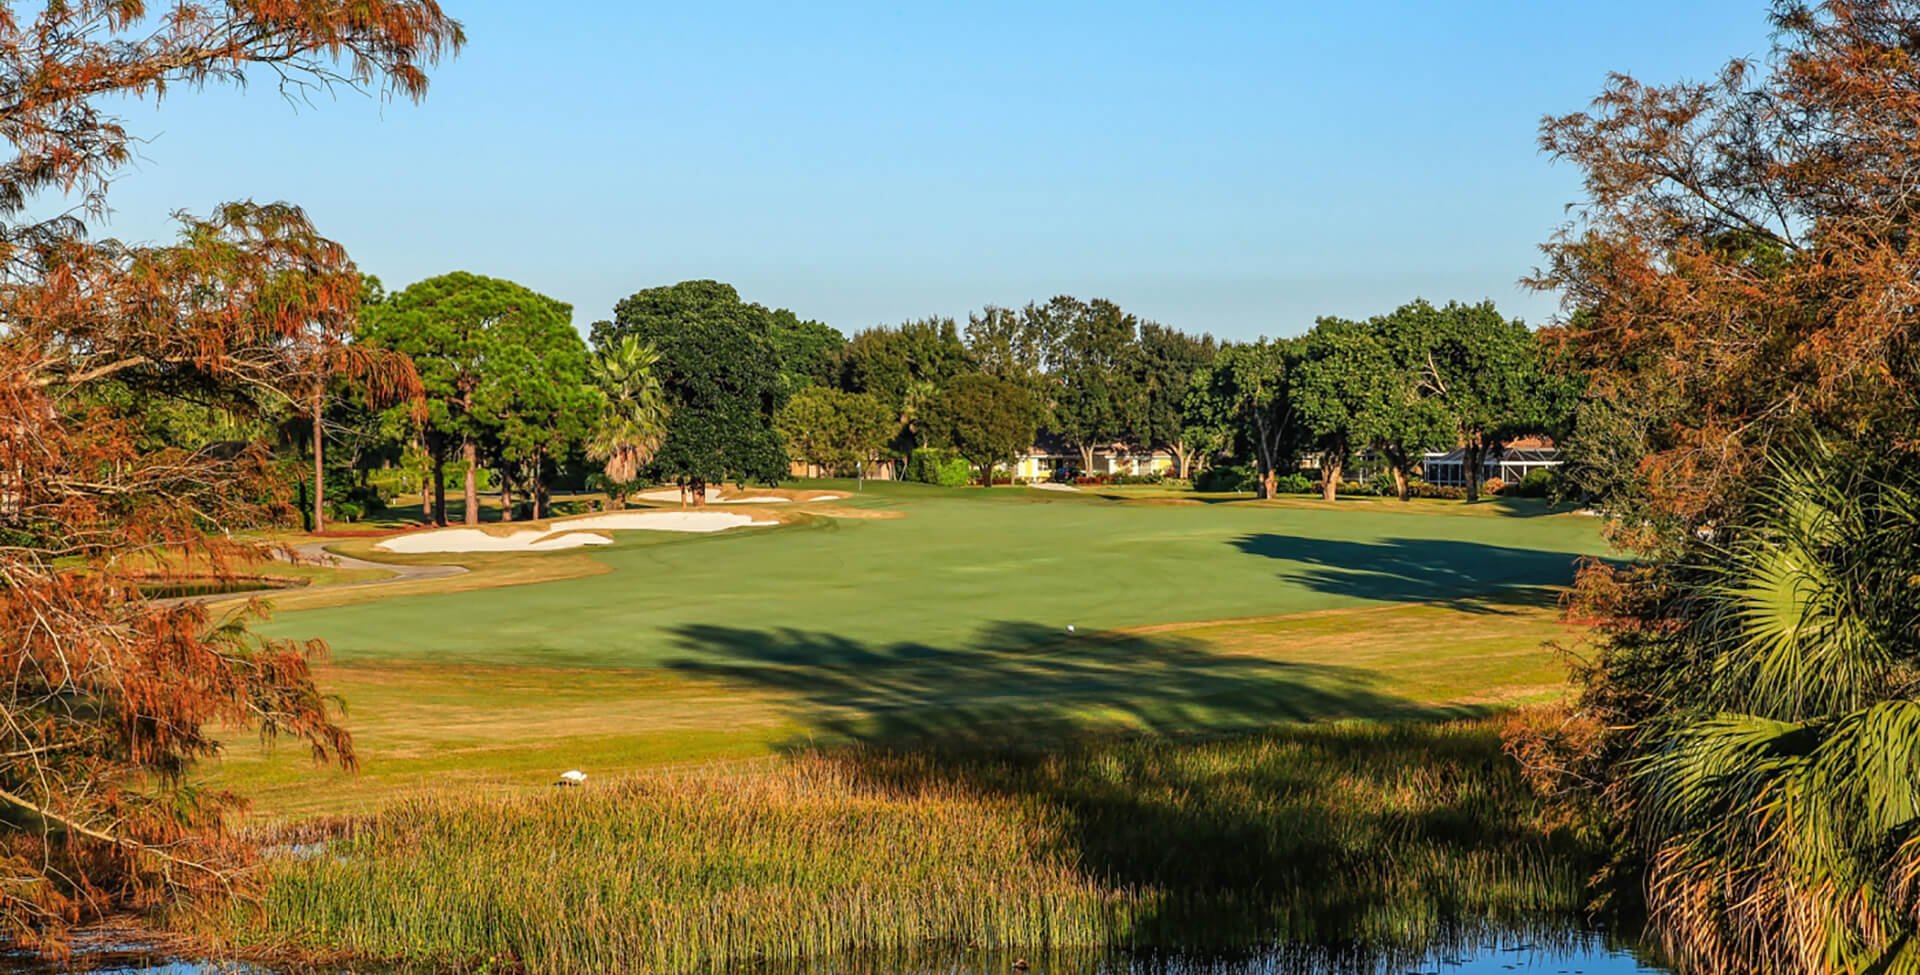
1743,270
105,695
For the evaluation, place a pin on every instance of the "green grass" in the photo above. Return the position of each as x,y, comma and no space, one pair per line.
870,733
1380,838
995,569
939,611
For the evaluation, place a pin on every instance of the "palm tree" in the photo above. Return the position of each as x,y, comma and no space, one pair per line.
633,417
1773,781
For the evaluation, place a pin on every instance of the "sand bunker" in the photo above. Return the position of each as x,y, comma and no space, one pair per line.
565,534
660,521
475,540
1051,486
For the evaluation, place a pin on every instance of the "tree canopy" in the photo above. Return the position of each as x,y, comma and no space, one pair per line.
988,420
1246,392
721,375
835,430
1164,365
1093,391
479,344
1740,290
108,696
632,419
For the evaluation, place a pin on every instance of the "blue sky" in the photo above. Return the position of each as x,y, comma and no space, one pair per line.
1238,168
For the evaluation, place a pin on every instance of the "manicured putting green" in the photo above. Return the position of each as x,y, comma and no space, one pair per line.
960,570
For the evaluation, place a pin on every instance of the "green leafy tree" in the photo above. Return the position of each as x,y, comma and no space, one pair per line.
1164,366
1413,415
904,368
721,375
1244,394
534,397
449,326
1093,386
808,351
1488,373
633,412
835,430
1010,344
1344,389
988,420
888,361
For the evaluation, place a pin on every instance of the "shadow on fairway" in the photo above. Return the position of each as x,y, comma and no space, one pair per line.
1379,837
1027,679
1403,570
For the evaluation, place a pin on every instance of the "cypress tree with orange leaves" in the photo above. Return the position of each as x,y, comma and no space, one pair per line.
1744,293
106,695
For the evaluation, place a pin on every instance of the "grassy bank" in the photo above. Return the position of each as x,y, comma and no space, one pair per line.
1380,835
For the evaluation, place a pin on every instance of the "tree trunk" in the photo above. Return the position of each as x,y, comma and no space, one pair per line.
1472,458
986,474
1086,460
506,497
1330,478
470,452
319,468
426,494
697,490
440,485
1269,484
1180,454
1402,485
539,487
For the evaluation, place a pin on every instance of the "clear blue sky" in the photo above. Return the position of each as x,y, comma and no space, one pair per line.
1238,168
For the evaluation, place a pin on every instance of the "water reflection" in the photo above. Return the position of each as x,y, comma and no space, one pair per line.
1564,955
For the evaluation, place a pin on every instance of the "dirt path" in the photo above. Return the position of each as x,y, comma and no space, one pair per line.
317,552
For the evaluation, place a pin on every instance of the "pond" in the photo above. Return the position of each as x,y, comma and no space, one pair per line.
1569,954
191,588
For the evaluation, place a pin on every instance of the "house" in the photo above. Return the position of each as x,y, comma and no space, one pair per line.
1051,454
1519,458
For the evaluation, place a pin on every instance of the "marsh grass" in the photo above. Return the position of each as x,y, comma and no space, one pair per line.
1377,837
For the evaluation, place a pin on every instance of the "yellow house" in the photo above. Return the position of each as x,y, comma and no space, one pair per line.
1043,459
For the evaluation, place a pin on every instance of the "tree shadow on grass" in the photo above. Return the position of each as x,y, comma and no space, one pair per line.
1411,569
1026,676
1342,839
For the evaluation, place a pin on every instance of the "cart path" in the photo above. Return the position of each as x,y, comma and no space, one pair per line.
402,572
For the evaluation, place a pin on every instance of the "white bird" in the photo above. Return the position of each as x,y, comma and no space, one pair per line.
1069,627
572,776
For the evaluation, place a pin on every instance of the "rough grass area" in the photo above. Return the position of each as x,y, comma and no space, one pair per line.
495,729
1384,837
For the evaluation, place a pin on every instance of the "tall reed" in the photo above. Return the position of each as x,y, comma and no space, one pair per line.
1388,836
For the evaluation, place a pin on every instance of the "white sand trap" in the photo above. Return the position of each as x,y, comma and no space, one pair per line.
659,521
475,540
565,534
1051,486
673,495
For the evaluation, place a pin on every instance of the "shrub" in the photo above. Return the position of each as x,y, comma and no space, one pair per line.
1234,478
1538,483
1422,489
1295,483
930,466
1494,485
1381,485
